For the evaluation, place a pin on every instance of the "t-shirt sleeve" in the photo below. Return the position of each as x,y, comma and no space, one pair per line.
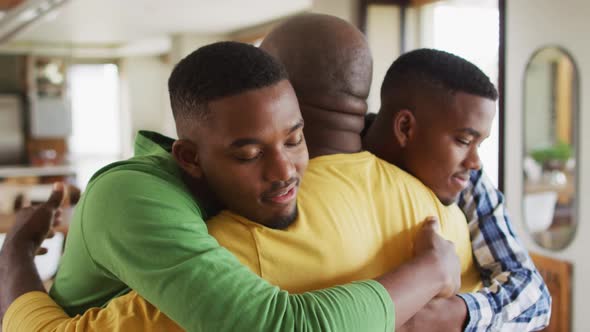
36,311
152,238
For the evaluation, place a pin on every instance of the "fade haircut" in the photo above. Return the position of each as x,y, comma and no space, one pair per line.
217,71
428,72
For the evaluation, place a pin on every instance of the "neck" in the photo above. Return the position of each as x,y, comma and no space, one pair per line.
321,142
331,132
203,195
380,142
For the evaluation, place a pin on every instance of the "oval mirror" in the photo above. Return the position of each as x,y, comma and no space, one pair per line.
550,145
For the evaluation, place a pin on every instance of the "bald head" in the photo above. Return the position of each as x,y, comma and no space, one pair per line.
330,67
322,52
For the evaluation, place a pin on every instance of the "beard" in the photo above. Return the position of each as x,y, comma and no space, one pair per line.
282,222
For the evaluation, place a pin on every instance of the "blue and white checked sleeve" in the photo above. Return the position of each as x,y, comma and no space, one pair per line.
514,297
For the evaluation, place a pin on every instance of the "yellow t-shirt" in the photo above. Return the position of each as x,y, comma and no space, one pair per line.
358,216
36,311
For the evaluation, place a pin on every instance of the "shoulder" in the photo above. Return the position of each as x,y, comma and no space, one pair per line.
362,163
134,195
137,177
236,234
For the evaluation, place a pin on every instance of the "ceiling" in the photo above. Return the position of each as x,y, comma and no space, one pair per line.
124,21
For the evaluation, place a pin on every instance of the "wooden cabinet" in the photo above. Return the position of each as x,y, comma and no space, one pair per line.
558,277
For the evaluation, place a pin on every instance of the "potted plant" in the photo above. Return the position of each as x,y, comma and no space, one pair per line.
554,157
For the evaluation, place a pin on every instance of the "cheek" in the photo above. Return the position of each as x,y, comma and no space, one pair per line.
232,181
449,167
301,165
300,159
445,150
438,163
245,180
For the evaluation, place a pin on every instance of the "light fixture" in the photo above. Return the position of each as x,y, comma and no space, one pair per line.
27,12
9,4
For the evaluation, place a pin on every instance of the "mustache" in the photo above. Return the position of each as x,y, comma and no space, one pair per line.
278,185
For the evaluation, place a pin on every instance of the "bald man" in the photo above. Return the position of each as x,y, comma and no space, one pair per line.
344,217
330,65
332,89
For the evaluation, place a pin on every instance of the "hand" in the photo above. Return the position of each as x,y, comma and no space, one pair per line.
439,315
34,224
429,242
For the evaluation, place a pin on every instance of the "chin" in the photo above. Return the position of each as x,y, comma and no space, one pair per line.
448,199
282,221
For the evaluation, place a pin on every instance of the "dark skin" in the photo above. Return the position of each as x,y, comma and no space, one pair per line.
331,88
22,243
264,151
275,159
434,272
334,51
437,142
335,111
257,138
256,147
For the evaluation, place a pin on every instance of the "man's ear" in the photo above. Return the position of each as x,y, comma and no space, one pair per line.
186,155
404,127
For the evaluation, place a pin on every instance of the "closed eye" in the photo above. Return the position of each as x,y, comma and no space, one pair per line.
296,141
463,141
247,160
246,157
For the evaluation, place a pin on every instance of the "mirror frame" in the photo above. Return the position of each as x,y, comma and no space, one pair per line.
576,139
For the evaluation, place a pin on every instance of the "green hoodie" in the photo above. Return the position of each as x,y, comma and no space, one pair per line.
138,227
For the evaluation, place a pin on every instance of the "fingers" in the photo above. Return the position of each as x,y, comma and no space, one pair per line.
57,195
57,217
19,202
41,251
74,194
433,223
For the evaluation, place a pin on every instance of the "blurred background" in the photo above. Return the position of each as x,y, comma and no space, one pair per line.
79,78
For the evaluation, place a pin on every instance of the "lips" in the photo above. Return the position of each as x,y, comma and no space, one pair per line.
281,196
461,179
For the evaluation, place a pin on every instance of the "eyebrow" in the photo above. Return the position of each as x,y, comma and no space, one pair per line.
253,141
296,126
243,142
469,131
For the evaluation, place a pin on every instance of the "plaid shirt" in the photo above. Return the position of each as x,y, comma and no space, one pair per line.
515,297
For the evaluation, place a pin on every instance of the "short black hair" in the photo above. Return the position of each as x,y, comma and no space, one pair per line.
429,68
219,70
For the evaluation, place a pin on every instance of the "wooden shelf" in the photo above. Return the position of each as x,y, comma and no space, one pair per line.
28,171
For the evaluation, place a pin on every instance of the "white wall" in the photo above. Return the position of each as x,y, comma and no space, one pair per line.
144,93
383,33
184,44
532,24
345,9
144,85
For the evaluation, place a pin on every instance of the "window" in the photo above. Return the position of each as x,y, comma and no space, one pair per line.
96,118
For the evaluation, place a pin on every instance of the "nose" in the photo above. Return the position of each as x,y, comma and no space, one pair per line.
472,162
279,167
